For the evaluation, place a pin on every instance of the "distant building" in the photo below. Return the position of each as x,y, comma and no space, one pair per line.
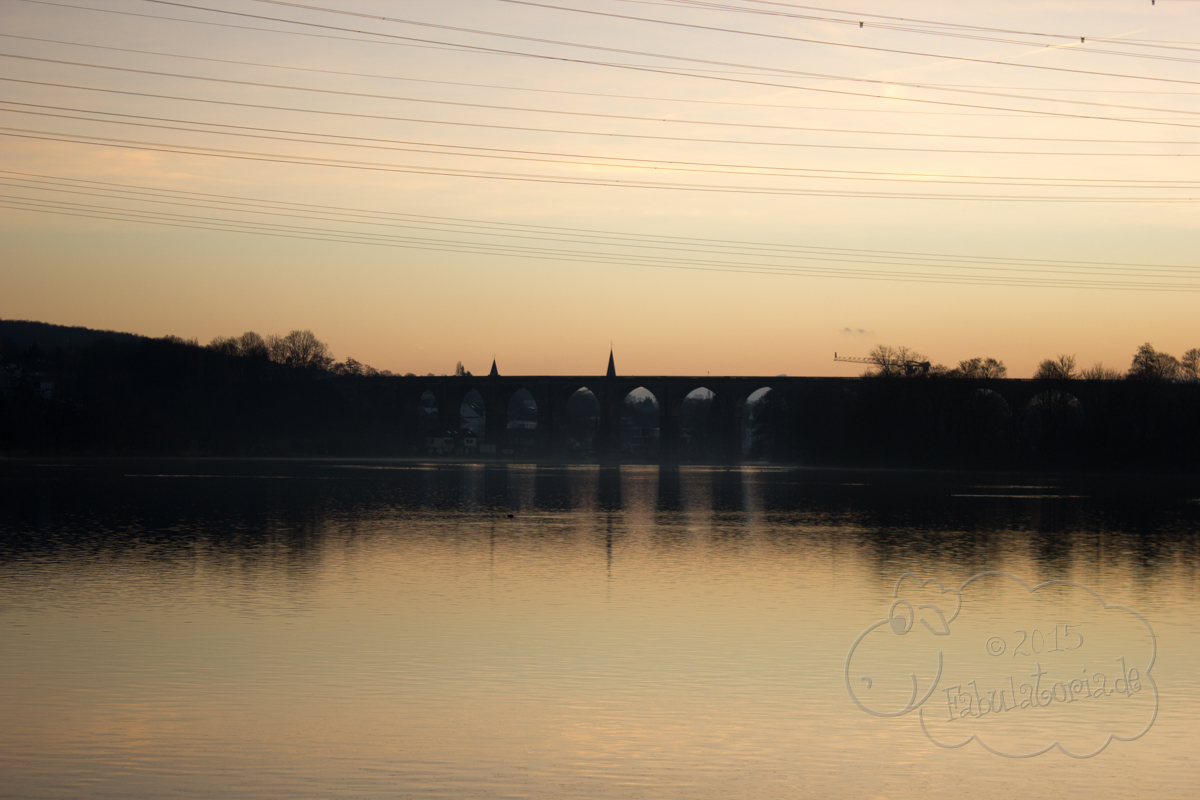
439,445
472,418
12,377
450,443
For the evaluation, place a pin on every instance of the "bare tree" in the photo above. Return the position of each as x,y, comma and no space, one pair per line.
460,371
1151,365
892,362
300,350
248,345
980,368
1190,365
349,368
1099,372
251,345
353,368
226,345
1061,368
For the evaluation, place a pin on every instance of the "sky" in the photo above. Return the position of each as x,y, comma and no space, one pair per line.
727,187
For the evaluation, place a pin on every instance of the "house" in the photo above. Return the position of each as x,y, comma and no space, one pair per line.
448,443
440,445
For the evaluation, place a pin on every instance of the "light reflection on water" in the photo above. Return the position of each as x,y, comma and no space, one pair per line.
319,629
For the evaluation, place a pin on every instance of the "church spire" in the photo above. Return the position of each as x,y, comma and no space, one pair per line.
495,373
612,367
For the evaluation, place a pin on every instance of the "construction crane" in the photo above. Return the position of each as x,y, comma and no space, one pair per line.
911,368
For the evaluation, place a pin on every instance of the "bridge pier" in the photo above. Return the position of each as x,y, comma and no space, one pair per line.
726,427
410,422
608,426
449,409
549,422
668,433
496,425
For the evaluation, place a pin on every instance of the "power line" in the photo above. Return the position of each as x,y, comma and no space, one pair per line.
855,23
497,107
937,23
622,162
129,144
863,14
476,48
946,29
586,94
393,41
209,23
715,257
710,248
641,239
811,254
988,91
307,232
656,70
479,32
814,129
589,237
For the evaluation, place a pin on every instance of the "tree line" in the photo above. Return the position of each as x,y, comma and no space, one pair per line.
300,349
92,392
1148,364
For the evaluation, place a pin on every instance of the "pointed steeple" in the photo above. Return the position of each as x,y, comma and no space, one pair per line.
495,373
612,367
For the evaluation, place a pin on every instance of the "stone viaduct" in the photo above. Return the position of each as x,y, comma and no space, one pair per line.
825,415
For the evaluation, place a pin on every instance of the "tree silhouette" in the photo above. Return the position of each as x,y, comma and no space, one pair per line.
299,350
1099,372
251,345
893,362
1061,368
1190,365
350,368
979,368
1151,365
226,345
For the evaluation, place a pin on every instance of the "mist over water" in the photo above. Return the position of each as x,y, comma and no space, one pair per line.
382,629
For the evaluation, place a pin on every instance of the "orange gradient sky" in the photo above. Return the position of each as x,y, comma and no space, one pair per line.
971,162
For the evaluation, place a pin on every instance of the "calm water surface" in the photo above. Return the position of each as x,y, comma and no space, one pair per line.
297,629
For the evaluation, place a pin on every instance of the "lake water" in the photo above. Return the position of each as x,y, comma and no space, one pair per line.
320,629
